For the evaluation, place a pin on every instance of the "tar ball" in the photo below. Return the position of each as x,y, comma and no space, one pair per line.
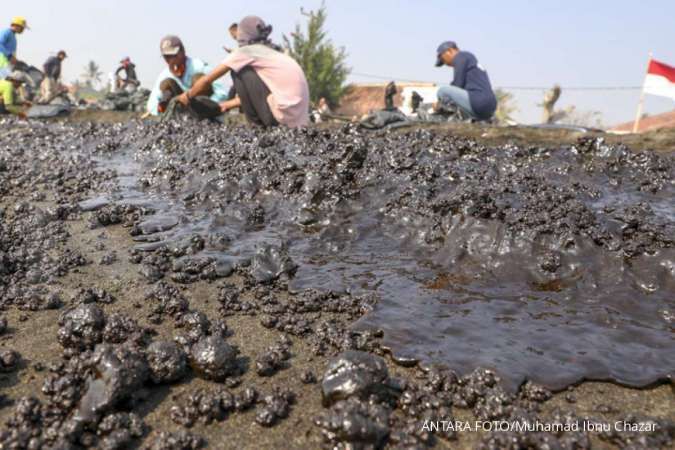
167,361
213,358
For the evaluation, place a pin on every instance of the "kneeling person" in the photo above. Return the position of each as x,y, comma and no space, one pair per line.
470,89
8,88
202,107
271,87
179,76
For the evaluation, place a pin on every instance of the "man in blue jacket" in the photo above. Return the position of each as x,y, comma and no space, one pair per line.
470,89
8,44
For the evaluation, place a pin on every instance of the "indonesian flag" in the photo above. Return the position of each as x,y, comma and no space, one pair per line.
660,79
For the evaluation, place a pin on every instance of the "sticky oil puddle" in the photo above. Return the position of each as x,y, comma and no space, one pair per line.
533,262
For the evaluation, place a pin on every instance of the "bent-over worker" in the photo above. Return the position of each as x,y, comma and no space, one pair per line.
470,90
271,87
183,70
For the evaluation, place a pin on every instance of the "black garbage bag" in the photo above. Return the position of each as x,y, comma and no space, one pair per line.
125,100
380,119
33,72
47,111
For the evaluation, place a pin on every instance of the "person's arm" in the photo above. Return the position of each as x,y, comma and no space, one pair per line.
460,64
203,83
117,72
221,91
4,43
13,59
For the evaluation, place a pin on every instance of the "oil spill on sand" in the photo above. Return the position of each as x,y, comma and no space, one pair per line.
548,264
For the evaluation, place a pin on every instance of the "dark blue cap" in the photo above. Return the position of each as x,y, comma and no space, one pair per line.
441,49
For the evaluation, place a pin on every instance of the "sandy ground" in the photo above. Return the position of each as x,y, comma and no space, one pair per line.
34,337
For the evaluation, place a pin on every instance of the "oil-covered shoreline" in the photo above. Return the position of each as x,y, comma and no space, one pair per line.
186,268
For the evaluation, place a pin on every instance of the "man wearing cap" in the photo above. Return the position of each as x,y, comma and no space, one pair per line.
183,70
8,88
271,86
49,88
131,79
8,42
52,67
470,89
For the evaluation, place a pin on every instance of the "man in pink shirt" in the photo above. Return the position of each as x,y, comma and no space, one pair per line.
271,87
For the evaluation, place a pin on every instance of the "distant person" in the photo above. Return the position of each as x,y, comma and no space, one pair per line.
52,67
130,80
470,89
8,93
233,34
271,87
200,107
183,70
8,44
49,88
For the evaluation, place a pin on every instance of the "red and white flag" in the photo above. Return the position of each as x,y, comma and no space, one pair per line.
660,79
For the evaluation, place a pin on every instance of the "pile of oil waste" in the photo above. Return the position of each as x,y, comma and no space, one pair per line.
548,264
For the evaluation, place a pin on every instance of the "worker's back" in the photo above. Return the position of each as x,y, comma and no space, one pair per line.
472,77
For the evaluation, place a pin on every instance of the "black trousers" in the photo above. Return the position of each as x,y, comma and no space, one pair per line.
253,93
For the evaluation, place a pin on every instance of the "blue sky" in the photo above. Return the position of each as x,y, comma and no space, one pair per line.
520,43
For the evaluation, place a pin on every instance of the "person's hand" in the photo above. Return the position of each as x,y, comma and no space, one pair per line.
230,104
183,99
13,60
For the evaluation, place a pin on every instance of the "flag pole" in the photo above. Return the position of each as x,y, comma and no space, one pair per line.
641,103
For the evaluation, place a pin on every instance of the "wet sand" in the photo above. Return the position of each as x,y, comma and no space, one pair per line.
35,340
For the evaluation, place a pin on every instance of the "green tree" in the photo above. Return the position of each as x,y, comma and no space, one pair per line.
324,64
91,74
